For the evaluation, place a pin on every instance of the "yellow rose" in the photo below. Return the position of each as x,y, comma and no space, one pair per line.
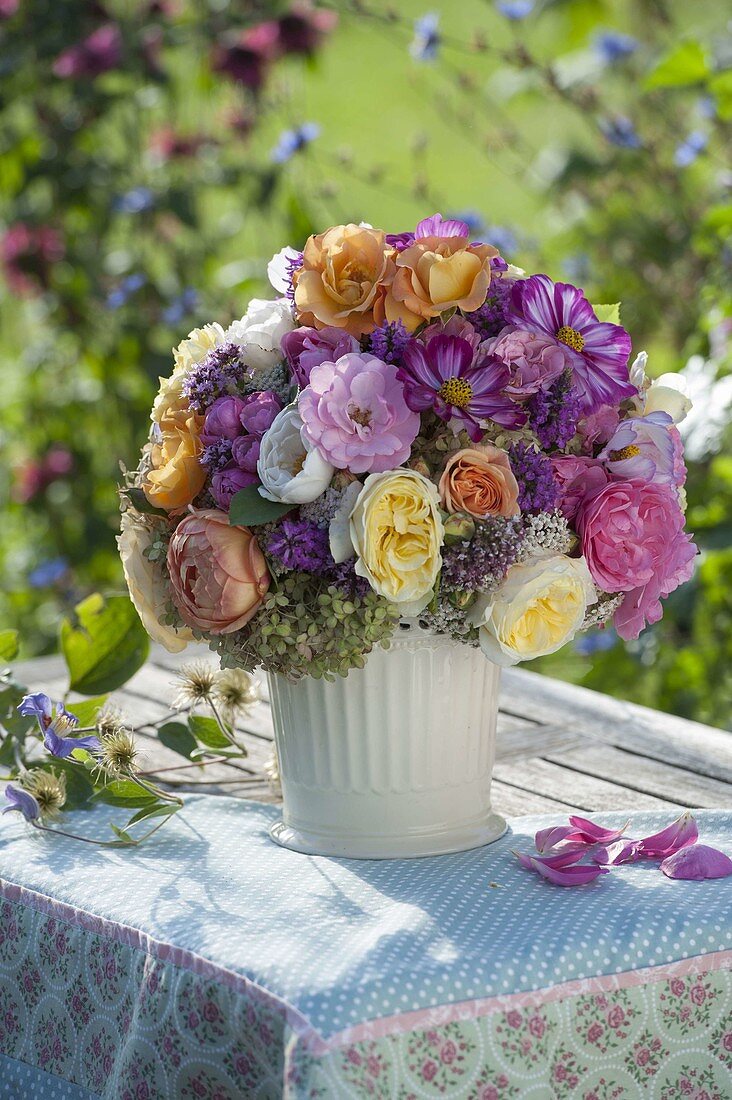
435,274
190,351
540,606
146,583
342,279
176,475
397,533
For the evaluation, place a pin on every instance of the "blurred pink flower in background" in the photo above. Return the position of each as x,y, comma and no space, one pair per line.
28,252
95,55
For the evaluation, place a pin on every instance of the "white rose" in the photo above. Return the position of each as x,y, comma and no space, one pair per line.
290,470
260,330
146,584
665,394
539,607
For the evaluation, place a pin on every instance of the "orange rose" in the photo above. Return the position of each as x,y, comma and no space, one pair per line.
342,279
435,274
176,475
480,482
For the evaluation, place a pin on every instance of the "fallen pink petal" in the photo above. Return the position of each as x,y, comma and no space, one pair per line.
697,861
620,851
546,839
587,831
577,875
557,860
679,834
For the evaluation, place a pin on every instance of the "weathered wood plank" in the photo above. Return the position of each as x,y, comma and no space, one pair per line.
552,780
514,802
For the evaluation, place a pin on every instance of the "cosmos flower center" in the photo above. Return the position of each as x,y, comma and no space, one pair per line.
456,391
569,336
360,416
625,452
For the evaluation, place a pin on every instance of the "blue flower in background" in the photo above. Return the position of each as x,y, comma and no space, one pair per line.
503,238
426,42
689,149
706,106
597,642
577,267
47,573
121,294
620,131
23,802
135,201
294,141
474,221
515,9
180,307
613,46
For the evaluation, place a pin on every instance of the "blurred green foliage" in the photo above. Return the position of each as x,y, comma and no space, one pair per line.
588,138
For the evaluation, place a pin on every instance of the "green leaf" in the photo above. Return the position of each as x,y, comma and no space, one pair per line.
234,753
87,709
177,736
153,811
684,64
721,88
208,732
140,503
249,509
105,645
123,792
123,836
610,314
8,645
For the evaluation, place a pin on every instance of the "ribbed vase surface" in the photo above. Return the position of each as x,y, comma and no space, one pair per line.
394,760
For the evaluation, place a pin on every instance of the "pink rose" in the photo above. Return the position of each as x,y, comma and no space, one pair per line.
514,1018
677,987
560,1072
217,572
490,1092
594,1032
534,360
616,1017
536,1026
578,477
633,541
305,348
643,1056
698,994
448,1052
595,430
429,1069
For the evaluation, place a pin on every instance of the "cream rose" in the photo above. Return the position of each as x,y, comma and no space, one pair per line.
540,606
290,469
146,583
260,331
397,533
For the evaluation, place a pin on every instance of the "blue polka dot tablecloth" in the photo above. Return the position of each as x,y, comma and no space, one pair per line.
211,963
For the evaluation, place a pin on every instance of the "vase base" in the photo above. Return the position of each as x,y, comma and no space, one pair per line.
437,843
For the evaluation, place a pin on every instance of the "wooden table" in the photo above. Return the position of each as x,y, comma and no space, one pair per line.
561,748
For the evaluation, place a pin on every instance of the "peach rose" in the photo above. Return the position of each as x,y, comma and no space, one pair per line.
480,482
342,279
435,274
217,572
176,475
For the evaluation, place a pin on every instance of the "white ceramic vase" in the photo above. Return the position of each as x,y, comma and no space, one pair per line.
393,761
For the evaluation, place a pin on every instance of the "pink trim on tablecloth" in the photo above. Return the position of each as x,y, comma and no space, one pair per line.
419,1019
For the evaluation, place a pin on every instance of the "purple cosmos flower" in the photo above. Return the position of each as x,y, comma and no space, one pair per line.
226,483
355,415
23,802
258,411
598,351
641,447
305,348
437,226
442,375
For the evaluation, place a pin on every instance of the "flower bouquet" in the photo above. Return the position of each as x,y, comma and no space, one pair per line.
416,445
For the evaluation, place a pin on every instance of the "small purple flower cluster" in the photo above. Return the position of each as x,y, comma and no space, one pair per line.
300,545
481,564
388,341
492,315
216,455
554,412
538,488
294,263
219,373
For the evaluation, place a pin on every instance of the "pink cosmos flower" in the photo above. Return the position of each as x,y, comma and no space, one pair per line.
305,348
633,541
218,573
578,478
355,415
598,351
533,358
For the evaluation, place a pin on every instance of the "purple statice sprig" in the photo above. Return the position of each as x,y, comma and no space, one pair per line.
480,563
491,317
219,373
217,455
554,412
388,341
538,488
299,545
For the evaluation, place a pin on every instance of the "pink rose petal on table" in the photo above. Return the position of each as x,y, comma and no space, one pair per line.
679,834
556,860
546,839
697,861
590,833
576,875
624,850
